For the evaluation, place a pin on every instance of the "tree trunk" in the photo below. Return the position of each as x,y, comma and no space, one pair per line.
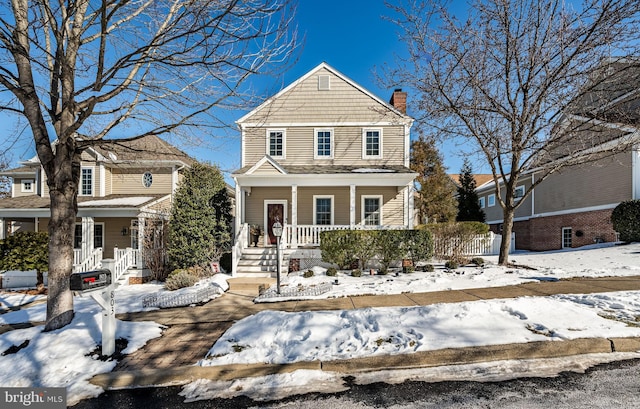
507,228
63,187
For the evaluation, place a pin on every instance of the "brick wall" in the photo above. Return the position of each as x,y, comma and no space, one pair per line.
546,232
522,231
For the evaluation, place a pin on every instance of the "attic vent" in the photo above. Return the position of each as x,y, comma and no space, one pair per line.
324,83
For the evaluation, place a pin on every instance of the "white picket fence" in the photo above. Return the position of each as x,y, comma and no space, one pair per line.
481,245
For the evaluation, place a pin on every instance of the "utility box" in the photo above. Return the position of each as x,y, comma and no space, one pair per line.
90,280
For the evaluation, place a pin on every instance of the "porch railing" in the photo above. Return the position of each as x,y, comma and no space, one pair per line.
124,259
241,242
90,263
309,235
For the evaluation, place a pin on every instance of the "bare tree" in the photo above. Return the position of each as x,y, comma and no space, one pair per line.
507,76
5,185
86,71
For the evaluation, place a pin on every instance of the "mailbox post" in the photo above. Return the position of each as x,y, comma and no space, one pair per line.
99,284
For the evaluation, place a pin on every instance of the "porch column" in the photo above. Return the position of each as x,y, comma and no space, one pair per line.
410,204
3,229
141,243
87,237
239,209
294,216
352,205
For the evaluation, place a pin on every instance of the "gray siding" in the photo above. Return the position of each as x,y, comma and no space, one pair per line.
604,182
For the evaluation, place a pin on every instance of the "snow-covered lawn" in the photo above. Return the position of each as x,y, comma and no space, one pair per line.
66,357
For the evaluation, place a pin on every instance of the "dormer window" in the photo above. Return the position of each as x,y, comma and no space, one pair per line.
27,185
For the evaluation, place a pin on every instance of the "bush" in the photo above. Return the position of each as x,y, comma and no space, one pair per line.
337,247
478,261
388,246
181,278
416,245
408,269
626,220
356,273
428,268
26,251
451,264
332,272
308,274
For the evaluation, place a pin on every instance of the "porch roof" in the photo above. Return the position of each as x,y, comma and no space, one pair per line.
38,206
333,169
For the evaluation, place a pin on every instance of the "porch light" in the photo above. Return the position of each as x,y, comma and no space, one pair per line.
277,231
124,231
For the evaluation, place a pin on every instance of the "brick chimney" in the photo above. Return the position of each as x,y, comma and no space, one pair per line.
399,100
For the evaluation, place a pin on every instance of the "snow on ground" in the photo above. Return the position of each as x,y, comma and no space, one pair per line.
66,357
16,299
592,261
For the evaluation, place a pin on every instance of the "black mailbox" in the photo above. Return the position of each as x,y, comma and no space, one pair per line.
90,280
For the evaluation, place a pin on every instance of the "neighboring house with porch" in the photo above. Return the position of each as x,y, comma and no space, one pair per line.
125,188
322,154
573,206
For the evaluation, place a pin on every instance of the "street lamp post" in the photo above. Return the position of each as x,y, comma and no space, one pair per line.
277,231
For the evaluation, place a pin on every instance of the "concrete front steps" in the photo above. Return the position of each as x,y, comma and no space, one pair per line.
250,285
260,262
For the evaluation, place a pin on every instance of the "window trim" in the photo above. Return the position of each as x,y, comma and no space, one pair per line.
570,230
31,182
482,202
284,143
315,143
81,190
78,226
380,209
491,200
315,212
148,172
364,143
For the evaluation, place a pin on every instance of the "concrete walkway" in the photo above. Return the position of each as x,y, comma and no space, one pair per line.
191,331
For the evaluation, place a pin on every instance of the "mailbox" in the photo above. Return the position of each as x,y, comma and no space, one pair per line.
90,280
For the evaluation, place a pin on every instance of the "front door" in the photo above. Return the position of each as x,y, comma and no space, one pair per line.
275,213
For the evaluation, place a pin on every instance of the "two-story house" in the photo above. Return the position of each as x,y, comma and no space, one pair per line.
124,186
572,207
322,154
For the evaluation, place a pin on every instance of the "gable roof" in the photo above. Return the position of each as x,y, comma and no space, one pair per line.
149,148
322,66
481,179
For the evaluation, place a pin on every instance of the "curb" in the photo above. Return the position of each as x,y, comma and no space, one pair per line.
450,356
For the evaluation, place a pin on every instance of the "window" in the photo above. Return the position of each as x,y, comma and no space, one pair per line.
324,83
372,210
491,200
98,236
27,185
567,234
86,182
481,202
275,143
519,193
323,210
147,179
323,142
372,143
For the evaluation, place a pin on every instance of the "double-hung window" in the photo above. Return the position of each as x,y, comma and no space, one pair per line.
519,193
98,236
323,144
481,202
372,210
371,143
275,143
86,182
323,210
491,200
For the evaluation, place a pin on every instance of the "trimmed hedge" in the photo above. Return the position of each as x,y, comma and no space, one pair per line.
341,247
626,220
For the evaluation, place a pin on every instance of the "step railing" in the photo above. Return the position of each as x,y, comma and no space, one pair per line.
124,259
92,262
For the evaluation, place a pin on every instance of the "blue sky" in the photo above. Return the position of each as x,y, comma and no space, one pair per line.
350,35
